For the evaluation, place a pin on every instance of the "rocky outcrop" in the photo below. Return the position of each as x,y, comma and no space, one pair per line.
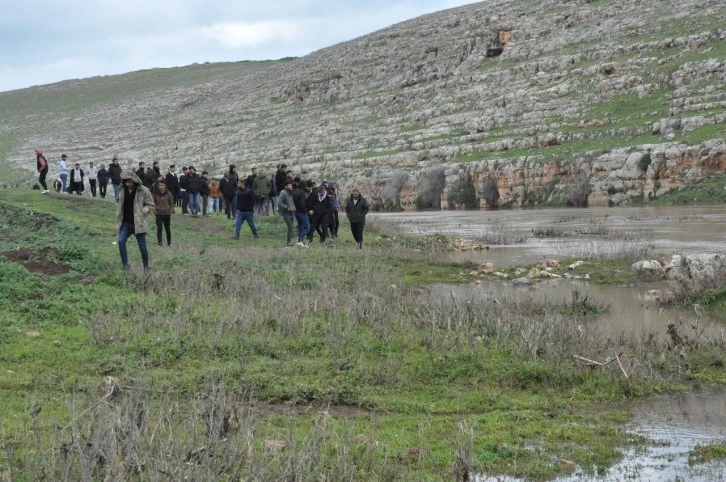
697,272
500,103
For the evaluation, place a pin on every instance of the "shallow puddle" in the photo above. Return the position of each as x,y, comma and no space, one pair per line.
524,236
632,311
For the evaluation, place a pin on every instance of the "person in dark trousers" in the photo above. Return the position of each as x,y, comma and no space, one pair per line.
135,204
309,196
204,193
286,208
102,177
229,191
77,176
301,213
335,221
183,193
92,175
172,184
321,213
114,173
194,190
234,179
356,209
141,171
245,210
164,206
262,187
41,164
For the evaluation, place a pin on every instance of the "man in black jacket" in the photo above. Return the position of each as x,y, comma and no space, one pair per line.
114,173
301,213
141,171
172,184
102,177
245,209
183,193
149,178
194,188
229,191
321,212
356,209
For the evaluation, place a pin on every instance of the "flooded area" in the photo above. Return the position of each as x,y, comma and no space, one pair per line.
673,425
632,312
523,236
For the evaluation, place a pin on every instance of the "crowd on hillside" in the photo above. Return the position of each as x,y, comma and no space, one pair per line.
139,193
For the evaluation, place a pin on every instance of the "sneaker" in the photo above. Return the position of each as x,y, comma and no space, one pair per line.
45,192
160,245
168,245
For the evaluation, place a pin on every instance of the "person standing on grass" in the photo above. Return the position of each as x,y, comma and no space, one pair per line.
309,196
41,165
215,195
183,193
77,176
356,209
114,173
301,214
262,188
335,220
229,191
172,184
92,174
135,204
286,208
141,171
102,177
164,208
63,172
204,192
245,209
234,180
321,213
194,188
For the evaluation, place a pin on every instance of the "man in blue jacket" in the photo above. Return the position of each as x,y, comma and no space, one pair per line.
245,209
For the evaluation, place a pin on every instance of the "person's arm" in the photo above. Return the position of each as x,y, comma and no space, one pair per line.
364,207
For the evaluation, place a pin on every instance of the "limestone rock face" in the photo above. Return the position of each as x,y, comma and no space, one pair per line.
499,103
698,272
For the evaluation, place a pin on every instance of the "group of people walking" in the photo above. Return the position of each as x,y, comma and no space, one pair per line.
314,208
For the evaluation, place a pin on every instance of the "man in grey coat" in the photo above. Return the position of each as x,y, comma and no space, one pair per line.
134,206
286,208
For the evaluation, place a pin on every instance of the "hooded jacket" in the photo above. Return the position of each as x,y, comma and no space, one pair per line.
143,204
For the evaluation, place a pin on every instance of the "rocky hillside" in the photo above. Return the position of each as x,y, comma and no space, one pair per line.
504,102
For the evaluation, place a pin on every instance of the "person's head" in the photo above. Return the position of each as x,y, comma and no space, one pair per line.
103,166
64,157
185,169
78,165
242,184
283,167
156,164
141,164
355,194
205,174
172,168
321,190
38,152
232,168
254,171
162,186
90,163
114,160
296,180
261,173
129,180
309,186
288,185
226,174
192,171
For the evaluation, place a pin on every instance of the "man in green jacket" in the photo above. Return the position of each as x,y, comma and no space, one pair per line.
356,209
135,204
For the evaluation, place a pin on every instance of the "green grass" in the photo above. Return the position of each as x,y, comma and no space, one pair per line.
710,191
702,454
329,325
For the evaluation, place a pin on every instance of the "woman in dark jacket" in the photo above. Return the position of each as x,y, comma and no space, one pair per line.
42,165
321,213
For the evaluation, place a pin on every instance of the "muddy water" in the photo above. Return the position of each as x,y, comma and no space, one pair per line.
632,311
674,425
596,231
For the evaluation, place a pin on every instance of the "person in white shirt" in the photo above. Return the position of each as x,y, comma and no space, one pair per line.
92,174
63,172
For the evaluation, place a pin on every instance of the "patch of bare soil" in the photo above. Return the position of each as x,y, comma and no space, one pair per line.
346,411
38,262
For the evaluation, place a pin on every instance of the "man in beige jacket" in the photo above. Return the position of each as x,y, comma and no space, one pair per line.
135,204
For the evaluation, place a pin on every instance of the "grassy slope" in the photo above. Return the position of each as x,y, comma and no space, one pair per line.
320,327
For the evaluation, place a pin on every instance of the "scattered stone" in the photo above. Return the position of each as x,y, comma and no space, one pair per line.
473,273
489,267
653,295
547,274
534,273
32,334
566,465
57,342
412,453
523,281
576,264
500,274
111,386
552,263
272,446
649,266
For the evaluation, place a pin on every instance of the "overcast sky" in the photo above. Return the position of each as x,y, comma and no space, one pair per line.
45,41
